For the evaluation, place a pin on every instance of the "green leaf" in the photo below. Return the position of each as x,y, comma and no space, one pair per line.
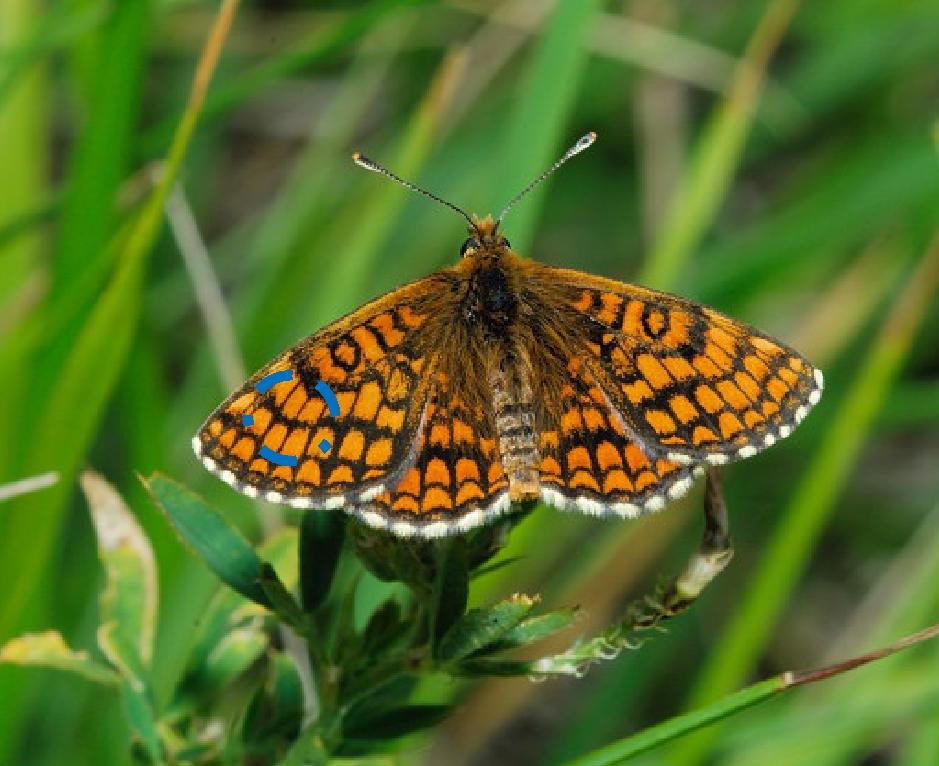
393,723
322,534
129,599
211,537
237,651
487,667
482,627
654,736
536,628
142,719
49,650
276,710
228,611
280,599
383,627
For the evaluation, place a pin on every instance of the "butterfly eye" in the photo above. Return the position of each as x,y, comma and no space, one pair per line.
470,244
506,243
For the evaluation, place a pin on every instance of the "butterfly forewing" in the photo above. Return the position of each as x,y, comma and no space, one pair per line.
690,382
378,361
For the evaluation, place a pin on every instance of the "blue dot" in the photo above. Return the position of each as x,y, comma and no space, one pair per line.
325,446
247,420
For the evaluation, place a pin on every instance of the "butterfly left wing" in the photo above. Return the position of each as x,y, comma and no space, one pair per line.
690,383
377,361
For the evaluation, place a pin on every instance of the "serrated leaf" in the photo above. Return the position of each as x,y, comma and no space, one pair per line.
210,536
129,599
392,723
482,627
49,650
322,534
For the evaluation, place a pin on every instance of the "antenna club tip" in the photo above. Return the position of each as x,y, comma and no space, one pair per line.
356,156
592,135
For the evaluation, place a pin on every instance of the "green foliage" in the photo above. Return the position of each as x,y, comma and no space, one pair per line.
358,682
774,159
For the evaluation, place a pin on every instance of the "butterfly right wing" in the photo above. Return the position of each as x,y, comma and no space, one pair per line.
690,382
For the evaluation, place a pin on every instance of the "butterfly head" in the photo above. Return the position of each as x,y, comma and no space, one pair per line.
484,238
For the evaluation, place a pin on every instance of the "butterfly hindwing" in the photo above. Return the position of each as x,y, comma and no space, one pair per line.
690,382
590,463
456,481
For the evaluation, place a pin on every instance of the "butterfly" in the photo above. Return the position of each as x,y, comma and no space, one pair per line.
501,380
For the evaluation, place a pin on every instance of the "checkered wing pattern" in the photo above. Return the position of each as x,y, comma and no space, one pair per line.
690,382
379,363
590,463
457,480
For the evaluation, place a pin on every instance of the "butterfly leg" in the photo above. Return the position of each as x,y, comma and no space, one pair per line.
714,553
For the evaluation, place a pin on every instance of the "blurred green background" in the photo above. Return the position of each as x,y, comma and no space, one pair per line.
773,159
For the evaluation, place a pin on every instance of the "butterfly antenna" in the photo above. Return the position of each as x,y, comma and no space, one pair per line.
362,161
584,142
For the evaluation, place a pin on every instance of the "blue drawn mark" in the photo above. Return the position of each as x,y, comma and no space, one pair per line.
276,457
333,404
268,381
331,401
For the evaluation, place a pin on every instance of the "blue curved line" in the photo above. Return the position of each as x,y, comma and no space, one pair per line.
276,457
331,401
268,381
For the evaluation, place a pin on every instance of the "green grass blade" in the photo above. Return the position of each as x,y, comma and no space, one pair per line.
718,153
813,502
70,415
536,132
670,730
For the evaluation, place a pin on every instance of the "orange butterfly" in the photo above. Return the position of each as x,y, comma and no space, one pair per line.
502,380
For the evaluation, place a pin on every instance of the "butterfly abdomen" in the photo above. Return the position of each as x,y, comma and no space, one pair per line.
513,407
